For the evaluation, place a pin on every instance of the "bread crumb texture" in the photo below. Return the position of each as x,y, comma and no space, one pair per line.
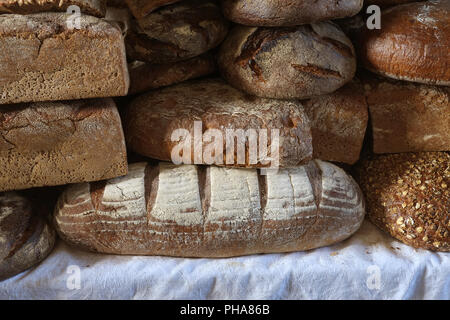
408,196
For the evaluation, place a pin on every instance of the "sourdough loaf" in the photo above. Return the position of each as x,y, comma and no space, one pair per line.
413,43
195,211
146,76
408,117
141,8
92,7
287,63
408,196
275,13
152,119
42,59
338,123
55,143
25,236
177,32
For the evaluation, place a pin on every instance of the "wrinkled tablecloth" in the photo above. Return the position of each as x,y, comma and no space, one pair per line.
370,265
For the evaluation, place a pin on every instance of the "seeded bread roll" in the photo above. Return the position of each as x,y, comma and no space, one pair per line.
177,32
92,7
152,120
55,143
338,123
408,196
287,63
41,59
277,13
141,8
25,237
146,76
195,211
407,117
413,43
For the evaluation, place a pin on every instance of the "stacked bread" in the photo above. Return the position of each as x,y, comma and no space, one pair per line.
406,182
235,163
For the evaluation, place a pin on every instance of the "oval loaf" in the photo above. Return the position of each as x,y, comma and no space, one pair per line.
287,63
195,211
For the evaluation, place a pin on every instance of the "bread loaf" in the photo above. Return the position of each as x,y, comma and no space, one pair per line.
408,196
177,32
408,117
141,8
92,7
55,143
146,76
191,211
413,43
120,16
276,13
25,237
388,3
338,123
287,63
152,121
41,59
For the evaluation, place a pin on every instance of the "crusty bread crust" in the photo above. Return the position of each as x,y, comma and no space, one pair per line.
408,196
276,13
42,59
92,7
151,119
195,211
413,43
55,143
287,63
141,8
25,237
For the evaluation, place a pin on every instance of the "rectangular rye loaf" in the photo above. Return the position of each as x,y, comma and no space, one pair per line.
196,211
43,59
55,143
408,117
93,7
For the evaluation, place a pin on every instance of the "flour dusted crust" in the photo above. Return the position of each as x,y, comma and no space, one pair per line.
92,7
41,59
177,32
194,211
408,196
55,143
275,13
412,44
151,118
25,237
287,63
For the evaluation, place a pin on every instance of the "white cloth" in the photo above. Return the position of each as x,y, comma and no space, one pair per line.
348,270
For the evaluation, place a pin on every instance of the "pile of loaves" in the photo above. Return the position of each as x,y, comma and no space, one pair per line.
263,66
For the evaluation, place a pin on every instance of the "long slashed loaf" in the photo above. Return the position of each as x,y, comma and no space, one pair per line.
25,237
55,143
92,7
152,119
287,63
273,13
42,59
195,211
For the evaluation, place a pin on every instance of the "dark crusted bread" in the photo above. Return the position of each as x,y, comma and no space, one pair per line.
413,43
276,13
25,236
92,7
141,8
152,119
287,63
408,196
177,32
